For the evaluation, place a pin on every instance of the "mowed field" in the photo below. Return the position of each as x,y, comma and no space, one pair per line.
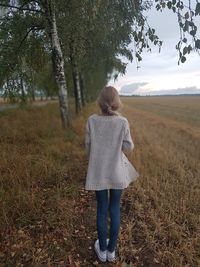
48,219
166,131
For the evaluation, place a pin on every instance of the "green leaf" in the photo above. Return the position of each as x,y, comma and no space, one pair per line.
181,24
187,15
169,4
197,10
193,32
191,23
185,50
178,45
151,38
138,57
189,48
183,59
140,35
158,7
197,43
186,26
163,4
136,38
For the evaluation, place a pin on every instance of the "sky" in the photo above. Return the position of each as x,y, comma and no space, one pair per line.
159,73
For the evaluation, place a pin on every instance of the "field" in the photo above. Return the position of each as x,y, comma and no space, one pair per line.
48,219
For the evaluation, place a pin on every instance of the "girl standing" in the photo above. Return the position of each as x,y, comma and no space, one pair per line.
109,171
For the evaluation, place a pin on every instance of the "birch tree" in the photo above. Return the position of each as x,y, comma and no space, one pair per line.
58,62
46,11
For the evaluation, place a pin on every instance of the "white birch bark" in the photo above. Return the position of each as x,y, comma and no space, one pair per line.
82,86
58,63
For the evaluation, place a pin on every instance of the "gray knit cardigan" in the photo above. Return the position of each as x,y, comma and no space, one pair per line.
106,138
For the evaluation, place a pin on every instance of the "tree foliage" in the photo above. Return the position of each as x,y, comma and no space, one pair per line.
93,34
187,12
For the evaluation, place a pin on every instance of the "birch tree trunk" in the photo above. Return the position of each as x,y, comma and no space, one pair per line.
77,88
32,86
23,96
58,63
82,86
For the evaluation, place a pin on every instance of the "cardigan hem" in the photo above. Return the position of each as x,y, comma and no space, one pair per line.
96,187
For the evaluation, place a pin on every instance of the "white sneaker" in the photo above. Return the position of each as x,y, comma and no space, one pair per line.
111,256
101,254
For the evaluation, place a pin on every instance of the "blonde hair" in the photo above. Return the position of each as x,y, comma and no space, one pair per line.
109,101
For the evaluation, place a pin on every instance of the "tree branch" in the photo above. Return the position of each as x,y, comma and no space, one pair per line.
25,36
21,8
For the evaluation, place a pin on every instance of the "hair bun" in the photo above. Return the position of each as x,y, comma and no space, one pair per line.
109,110
109,100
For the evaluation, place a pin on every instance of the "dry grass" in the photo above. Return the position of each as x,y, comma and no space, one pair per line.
166,198
38,183
47,219
184,109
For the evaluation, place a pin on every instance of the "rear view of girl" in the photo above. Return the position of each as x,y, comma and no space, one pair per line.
109,171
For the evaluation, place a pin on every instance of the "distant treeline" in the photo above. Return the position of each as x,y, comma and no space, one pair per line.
159,95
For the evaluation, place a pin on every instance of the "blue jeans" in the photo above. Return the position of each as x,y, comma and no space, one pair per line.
105,204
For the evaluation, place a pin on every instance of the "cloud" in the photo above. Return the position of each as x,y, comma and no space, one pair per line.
136,89
161,71
177,91
132,88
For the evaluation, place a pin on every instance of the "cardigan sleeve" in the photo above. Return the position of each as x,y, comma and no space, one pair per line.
127,144
87,138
